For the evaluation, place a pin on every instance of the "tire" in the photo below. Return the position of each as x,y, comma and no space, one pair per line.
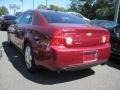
29,58
9,41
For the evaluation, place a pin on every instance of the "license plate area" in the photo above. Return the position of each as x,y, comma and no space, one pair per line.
90,56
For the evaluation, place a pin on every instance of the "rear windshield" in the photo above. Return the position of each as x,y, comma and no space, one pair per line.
9,17
61,17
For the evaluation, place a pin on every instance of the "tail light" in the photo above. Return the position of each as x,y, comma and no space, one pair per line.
106,38
58,38
73,39
68,40
5,21
61,38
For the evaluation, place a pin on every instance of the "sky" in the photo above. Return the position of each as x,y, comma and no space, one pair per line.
28,4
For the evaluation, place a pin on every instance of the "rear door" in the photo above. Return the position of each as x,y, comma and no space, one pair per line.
22,28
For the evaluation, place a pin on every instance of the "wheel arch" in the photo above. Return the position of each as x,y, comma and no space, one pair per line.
29,40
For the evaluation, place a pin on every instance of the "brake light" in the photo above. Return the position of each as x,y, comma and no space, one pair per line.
4,21
106,38
58,38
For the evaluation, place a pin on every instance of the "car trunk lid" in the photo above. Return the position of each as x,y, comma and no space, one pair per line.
82,35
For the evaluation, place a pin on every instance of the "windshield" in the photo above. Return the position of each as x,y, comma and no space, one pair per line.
9,17
61,17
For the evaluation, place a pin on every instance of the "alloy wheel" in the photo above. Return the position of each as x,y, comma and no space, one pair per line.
28,57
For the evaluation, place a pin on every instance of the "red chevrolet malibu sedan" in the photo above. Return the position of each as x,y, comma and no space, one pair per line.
58,41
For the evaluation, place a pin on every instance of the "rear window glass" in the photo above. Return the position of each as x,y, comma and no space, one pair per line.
61,17
9,17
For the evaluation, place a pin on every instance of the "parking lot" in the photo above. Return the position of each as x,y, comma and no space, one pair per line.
14,75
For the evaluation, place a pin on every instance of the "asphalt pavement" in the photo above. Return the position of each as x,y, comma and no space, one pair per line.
14,75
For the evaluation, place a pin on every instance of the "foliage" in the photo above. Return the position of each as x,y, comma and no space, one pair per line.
88,10
56,8
77,5
3,10
51,7
105,9
18,13
101,9
41,6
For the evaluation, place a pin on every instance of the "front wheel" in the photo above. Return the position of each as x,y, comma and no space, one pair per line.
29,58
9,41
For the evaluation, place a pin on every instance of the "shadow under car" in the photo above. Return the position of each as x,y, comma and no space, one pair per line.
42,76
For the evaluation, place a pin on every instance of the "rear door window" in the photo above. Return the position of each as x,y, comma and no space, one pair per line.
27,18
18,20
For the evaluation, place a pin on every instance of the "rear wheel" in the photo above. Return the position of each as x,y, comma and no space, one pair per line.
29,58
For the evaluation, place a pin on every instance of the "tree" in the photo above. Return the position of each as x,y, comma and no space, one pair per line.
18,13
104,9
77,5
41,6
87,10
3,10
101,9
56,8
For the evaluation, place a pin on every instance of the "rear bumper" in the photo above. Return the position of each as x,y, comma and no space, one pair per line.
72,59
82,66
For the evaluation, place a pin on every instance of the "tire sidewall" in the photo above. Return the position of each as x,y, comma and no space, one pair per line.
9,41
33,66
